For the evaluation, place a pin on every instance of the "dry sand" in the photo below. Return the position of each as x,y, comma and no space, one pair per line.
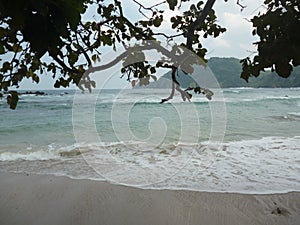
40,199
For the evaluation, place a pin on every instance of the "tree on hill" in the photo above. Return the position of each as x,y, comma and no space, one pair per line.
227,71
32,32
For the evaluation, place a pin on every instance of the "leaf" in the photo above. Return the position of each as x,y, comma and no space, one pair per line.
106,39
245,75
152,70
4,85
2,50
144,81
157,22
208,94
144,23
199,4
94,26
77,46
17,48
73,58
187,69
12,99
154,77
197,90
172,4
6,66
94,58
93,83
99,10
189,96
133,82
35,78
283,69
254,70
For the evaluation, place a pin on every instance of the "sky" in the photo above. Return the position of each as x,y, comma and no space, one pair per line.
237,41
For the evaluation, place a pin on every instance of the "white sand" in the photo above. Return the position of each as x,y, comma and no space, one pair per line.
39,199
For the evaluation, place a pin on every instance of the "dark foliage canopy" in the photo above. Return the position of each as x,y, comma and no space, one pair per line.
278,47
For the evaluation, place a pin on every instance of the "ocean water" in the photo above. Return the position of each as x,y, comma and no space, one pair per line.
244,140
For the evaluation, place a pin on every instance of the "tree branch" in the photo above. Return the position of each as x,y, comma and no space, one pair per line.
198,22
176,86
168,36
242,6
82,49
174,83
61,63
141,6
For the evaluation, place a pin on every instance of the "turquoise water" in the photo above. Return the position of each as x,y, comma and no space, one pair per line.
244,140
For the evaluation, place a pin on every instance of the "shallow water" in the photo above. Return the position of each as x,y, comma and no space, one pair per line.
244,140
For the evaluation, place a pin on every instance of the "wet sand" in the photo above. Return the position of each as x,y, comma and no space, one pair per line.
44,199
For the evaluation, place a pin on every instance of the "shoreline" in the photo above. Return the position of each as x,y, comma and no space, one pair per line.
156,189
48,199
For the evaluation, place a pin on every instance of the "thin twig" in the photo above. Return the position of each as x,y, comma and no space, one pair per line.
168,36
82,50
242,6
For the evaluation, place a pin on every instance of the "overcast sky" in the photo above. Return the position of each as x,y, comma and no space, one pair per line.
237,41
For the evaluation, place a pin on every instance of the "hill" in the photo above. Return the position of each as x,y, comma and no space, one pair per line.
227,73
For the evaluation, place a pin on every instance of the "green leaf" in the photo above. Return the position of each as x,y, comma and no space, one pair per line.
12,99
157,22
57,84
154,77
6,66
283,69
35,78
106,39
144,81
187,69
133,82
4,85
94,58
2,50
99,10
199,4
144,23
77,46
172,4
73,58
93,83
17,48
152,70
197,90
94,26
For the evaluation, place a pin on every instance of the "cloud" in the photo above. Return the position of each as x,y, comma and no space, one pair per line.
247,47
220,42
235,21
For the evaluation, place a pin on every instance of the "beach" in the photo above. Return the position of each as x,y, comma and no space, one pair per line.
237,165
47,199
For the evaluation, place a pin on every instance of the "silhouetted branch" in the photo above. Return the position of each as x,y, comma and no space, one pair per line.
198,22
141,6
242,6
